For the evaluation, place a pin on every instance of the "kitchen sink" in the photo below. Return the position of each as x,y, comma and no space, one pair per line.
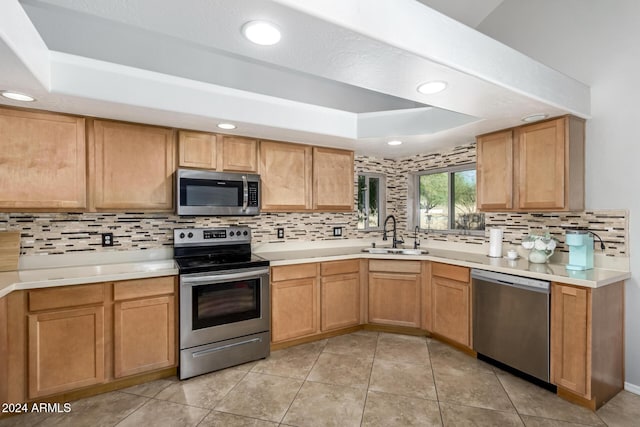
395,251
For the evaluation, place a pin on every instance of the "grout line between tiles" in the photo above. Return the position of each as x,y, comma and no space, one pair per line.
435,384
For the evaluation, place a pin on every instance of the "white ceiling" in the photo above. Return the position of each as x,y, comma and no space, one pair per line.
344,75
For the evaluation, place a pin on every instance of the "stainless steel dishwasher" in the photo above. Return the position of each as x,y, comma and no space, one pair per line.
511,321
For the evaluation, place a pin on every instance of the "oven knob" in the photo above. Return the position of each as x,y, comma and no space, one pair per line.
181,235
190,235
245,233
231,234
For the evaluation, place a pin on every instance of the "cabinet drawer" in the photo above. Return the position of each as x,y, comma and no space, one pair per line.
67,296
394,266
454,272
340,267
289,272
129,289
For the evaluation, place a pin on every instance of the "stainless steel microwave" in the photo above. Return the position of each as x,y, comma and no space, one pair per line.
209,193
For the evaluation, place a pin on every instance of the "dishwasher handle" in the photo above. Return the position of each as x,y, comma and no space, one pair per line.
513,281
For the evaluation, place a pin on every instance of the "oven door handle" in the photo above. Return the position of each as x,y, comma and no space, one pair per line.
245,193
222,277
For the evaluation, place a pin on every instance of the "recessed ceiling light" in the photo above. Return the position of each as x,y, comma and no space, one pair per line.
261,32
430,88
16,96
534,117
394,142
227,126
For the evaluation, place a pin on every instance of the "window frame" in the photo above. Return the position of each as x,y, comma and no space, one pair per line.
382,199
450,171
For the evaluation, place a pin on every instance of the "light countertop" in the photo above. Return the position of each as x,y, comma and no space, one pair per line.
62,270
593,278
103,268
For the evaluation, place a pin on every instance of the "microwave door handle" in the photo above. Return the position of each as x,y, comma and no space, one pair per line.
245,193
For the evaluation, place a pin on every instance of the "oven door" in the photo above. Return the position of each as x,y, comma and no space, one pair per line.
220,305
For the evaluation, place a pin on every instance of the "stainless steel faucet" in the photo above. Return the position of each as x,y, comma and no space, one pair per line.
395,241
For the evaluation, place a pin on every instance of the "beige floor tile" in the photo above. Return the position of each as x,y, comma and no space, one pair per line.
445,356
530,421
261,396
150,389
245,367
344,370
530,399
366,333
353,345
204,391
390,410
158,413
221,419
623,410
292,362
102,410
478,389
402,349
26,419
458,415
326,405
402,378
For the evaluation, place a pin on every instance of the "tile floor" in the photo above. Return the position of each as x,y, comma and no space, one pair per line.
361,379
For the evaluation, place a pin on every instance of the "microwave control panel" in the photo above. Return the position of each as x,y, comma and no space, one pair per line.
253,194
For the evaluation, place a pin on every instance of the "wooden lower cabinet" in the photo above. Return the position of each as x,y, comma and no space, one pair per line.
451,303
587,333
395,293
59,340
340,295
294,309
66,350
144,329
295,301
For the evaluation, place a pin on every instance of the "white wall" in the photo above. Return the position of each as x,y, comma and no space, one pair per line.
598,43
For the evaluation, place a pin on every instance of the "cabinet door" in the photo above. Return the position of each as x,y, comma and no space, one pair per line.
197,150
131,166
542,165
239,154
494,171
451,309
332,179
285,173
43,161
340,301
66,350
570,338
394,299
144,335
294,309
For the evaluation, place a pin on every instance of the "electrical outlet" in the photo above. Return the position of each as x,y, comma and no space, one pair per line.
107,239
337,231
280,232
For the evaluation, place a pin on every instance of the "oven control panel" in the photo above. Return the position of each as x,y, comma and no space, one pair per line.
211,236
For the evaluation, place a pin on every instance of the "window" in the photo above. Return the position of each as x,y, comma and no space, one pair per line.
447,199
371,201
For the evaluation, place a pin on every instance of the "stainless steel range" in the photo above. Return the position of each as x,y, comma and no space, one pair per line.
224,299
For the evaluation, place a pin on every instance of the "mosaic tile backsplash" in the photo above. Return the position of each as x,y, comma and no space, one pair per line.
57,233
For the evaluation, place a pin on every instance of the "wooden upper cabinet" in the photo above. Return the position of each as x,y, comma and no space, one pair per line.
131,166
495,171
43,161
537,167
285,173
332,179
197,150
239,154
551,165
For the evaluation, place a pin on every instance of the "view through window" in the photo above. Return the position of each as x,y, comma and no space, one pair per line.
447,199
371,199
